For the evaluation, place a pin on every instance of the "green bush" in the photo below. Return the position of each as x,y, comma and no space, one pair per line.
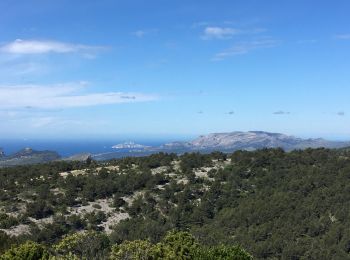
175,245
221,253
7,221
27,251
133,250
88,245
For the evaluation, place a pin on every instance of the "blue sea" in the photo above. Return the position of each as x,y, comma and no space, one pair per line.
70,147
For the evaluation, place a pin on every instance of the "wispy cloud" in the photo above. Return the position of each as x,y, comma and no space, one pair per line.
342,36
281,112
200,24
142,33
23,47
139,33
62,96
245,47
20,68
29,121
224,33
55,122
34,58
309,41
219,33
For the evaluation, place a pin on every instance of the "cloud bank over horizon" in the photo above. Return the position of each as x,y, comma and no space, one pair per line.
68,95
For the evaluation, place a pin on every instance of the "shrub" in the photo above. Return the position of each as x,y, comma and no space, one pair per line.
133,250
27,251
89,245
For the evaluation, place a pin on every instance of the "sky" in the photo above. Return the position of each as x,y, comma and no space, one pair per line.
161,68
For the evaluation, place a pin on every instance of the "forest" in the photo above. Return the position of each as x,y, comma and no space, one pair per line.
264,204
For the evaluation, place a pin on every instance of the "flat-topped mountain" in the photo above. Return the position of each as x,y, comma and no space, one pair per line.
252,140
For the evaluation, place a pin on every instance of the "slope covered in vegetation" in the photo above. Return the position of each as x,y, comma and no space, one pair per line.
293,205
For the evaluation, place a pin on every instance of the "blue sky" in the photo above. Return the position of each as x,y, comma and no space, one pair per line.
107,69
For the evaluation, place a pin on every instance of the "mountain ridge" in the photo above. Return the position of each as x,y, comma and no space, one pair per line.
252,140
224,142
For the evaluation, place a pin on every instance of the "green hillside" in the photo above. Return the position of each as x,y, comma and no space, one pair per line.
275,205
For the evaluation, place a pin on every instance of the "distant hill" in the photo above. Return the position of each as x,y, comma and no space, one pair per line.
28,156
224,142
253,140
78,157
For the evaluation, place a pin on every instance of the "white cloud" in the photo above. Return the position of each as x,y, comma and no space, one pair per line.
199,24
62,96
222,33
244,48
41,47
25,122
309,41
281,112
219,33
139,33
142,33
343,36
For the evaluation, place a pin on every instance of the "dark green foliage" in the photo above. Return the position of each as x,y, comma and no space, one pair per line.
156,160
190,161
140,228
118,202
89,245
39,209
175,245
94,245
7,221
277,205
221,253
220,156
95,218
6,241
26,251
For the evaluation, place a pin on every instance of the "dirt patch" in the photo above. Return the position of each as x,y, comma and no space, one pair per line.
159,170
103,203
17,230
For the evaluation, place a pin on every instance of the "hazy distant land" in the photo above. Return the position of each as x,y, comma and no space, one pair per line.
224,142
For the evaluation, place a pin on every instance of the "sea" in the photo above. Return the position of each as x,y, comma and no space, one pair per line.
67,148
